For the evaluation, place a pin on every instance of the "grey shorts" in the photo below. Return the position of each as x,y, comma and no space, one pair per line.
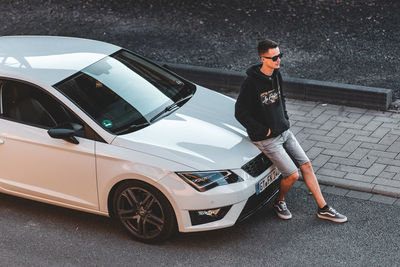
284,151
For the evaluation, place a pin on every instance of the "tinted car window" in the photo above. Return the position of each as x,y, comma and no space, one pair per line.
27,104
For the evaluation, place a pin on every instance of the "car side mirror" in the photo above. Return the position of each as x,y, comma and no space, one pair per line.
66,131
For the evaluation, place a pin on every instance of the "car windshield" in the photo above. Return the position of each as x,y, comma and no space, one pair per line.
124,92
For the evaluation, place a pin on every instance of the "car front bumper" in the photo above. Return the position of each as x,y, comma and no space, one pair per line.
235,202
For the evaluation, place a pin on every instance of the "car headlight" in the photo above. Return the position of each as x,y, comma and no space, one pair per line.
203,181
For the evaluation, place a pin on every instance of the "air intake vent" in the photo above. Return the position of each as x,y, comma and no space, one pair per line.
257,165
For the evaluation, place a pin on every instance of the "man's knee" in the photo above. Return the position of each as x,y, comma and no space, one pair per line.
293,177
307,164
306,167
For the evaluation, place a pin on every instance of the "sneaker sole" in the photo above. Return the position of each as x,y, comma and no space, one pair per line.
284,217
332,219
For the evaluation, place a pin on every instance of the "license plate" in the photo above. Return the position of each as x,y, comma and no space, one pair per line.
266,181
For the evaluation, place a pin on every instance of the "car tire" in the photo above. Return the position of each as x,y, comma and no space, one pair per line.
144,212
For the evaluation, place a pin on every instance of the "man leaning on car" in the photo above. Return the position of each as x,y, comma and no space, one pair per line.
261,109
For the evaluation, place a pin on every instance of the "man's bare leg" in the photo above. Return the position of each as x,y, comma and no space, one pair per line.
312,183
286,184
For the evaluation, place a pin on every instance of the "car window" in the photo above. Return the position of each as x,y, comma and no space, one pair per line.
123,91
170,85
28,104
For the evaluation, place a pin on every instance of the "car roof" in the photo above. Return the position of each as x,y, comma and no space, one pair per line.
49,59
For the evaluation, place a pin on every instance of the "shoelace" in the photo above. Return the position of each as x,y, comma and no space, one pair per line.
333,211
283,205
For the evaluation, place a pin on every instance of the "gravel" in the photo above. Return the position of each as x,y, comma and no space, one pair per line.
354,42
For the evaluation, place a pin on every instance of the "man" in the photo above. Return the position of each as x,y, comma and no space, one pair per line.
261,109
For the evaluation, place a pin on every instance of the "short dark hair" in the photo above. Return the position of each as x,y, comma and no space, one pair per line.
264,45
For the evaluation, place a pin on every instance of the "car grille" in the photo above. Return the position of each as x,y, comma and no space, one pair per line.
256,202
257,165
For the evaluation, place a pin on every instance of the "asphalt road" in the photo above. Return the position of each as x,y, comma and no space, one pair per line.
35,234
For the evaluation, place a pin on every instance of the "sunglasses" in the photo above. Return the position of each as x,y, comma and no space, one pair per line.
275,58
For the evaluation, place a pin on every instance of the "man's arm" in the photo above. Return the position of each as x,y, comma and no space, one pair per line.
245,102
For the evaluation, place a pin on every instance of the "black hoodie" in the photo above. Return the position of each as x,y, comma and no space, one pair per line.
260,106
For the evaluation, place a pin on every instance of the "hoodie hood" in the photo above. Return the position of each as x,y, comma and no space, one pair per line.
259,77
202,135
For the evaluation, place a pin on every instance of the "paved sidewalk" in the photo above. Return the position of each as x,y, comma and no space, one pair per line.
350,148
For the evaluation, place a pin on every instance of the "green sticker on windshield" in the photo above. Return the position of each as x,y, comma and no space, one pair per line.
107,123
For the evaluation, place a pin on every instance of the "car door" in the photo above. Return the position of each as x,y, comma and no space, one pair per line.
34,165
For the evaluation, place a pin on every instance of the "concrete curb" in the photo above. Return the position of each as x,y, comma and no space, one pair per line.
357,186
352,193
326,92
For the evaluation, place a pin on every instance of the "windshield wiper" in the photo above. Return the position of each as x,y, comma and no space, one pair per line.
171,107
131,127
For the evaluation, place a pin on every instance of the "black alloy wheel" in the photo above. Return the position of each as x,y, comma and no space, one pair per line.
144,212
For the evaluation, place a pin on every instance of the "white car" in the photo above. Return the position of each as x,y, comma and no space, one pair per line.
91,126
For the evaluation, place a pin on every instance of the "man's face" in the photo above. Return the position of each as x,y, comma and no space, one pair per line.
272,52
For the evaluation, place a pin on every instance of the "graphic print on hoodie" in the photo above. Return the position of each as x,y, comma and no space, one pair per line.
269,97
260,106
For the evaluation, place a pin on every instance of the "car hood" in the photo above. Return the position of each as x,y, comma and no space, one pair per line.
202,135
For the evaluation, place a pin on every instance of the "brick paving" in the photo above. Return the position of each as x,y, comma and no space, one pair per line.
351,148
